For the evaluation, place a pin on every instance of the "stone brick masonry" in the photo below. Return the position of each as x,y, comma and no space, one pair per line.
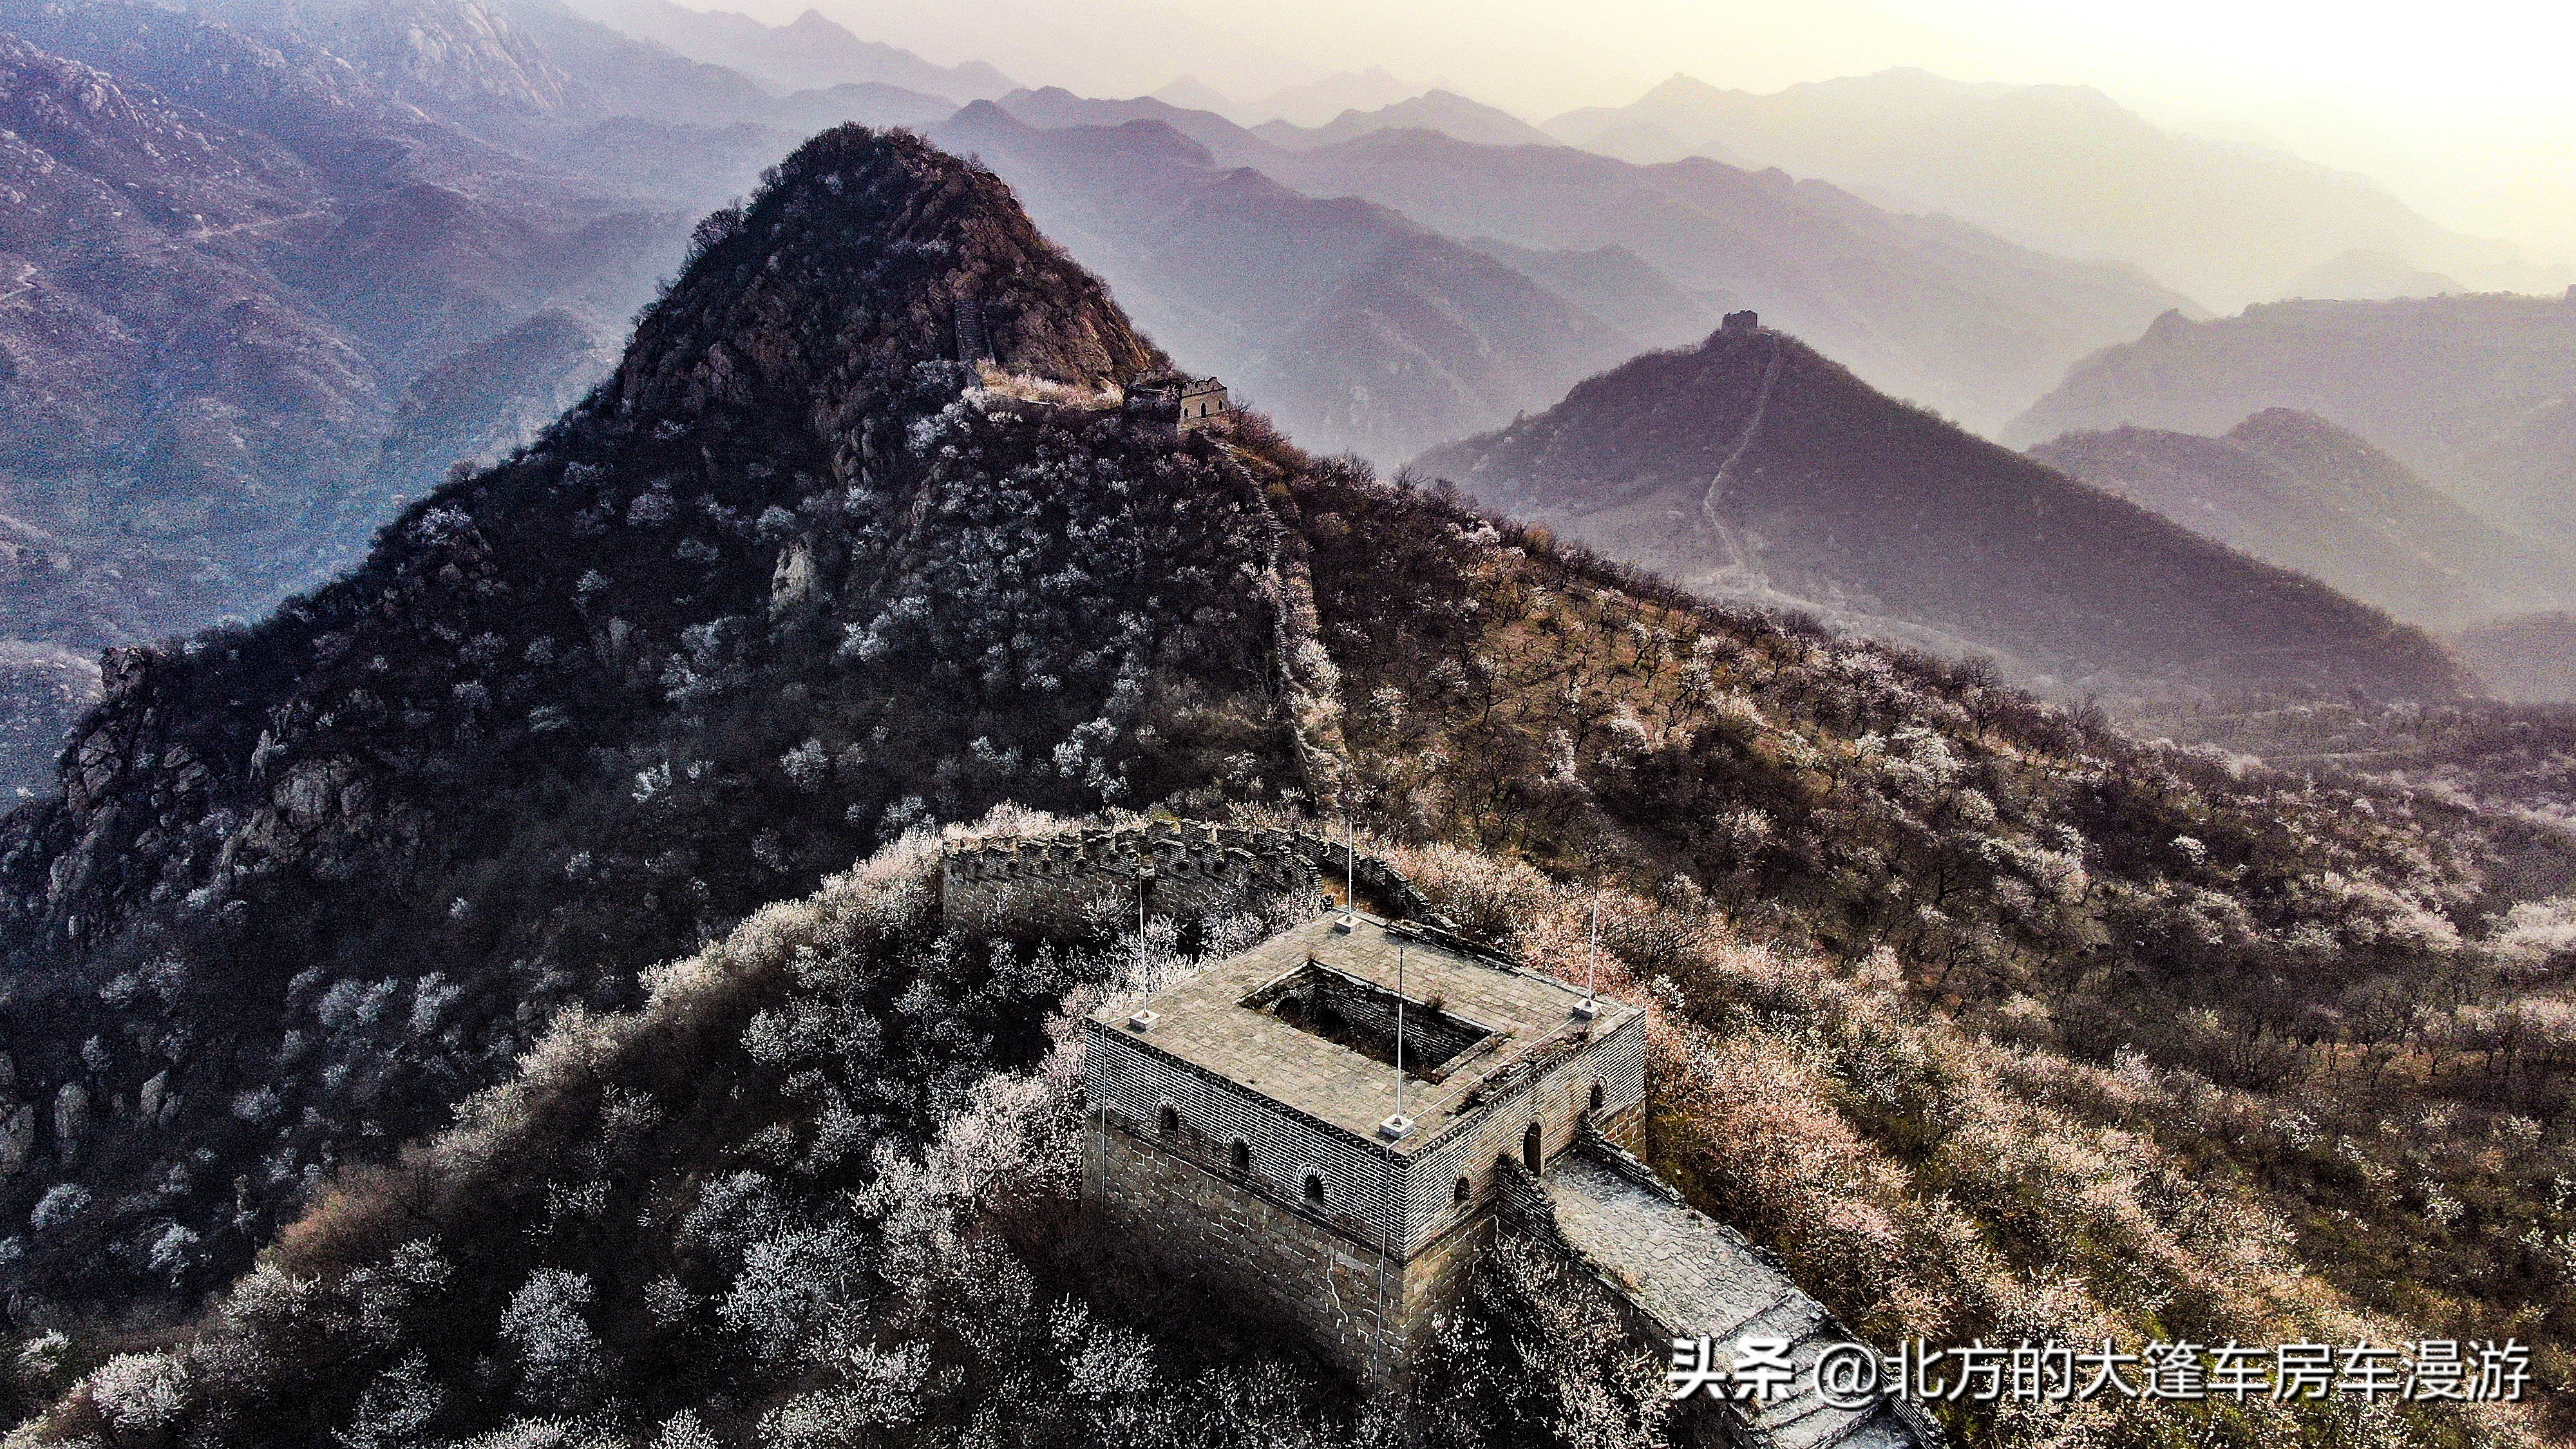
1179,869
1247,1150
1361,1306
1183,867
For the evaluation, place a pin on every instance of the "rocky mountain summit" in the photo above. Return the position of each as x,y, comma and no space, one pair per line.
788,554
268,270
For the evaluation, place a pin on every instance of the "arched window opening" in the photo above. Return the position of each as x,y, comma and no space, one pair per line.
1598,1096
1460,1195
1240,1154
1315,1188
1169,1119
1533,1148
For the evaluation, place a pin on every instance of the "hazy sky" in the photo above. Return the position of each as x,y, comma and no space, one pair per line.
2466,108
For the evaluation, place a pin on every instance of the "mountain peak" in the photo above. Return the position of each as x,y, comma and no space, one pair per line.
1680,86
862,251
2294,427
1753,468
787,522
1192,94
2295,489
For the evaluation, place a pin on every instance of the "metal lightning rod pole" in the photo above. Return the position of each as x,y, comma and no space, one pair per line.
1399,1027
1350,872
1592,957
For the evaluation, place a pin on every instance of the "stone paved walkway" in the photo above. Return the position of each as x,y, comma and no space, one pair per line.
1695,1276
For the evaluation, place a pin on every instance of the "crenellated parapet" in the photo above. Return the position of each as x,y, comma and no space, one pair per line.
1173,867
1183,867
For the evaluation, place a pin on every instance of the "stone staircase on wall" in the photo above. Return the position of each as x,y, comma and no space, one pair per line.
1675,1272
972,345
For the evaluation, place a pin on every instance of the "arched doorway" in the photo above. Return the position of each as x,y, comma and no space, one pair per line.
1533,1148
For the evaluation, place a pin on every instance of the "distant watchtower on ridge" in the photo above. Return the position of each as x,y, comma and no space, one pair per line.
1202,399
1740,324
1188,403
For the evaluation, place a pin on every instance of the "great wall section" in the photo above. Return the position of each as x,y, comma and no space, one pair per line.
1236,1144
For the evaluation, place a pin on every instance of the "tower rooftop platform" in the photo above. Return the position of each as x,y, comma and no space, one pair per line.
1306,1019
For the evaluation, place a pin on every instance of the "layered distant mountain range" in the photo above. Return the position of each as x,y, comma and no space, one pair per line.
2475,394
327,250
2069,170
1950,316
1751,468
2304,493
810,53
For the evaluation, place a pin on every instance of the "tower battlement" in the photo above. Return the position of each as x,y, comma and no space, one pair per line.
1190,403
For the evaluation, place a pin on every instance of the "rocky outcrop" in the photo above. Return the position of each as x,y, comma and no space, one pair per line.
453,52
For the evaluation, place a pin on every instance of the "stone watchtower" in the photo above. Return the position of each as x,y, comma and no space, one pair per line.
1203,400
1246,1125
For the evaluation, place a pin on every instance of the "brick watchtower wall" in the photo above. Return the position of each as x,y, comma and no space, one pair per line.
1240,1236
1207,1176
